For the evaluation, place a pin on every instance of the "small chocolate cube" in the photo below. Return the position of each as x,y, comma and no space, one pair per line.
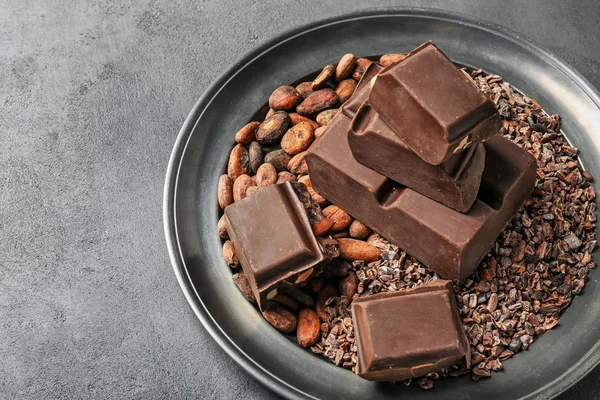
432,105
409,333
273,240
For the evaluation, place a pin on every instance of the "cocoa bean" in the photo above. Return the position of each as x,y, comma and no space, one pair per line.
340,235
225,191
269,113
336,269
266,175
297,139
319,132
345,89
279,159
317,198
324,76
361,66
279,317
252,190
222,228
324,311
353,250
305,89
325,117
229,254
285,98
322,227
300,295
287,301
297,164
241,281
240,186
358,230
255,156
246,135
317,102
285,176
345,66
308,332
315,284
348,285
341,219
389,59
238,162
296,118
273,128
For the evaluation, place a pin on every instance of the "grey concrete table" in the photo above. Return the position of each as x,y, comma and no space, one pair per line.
92,95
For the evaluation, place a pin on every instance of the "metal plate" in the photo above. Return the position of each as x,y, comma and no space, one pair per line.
553,363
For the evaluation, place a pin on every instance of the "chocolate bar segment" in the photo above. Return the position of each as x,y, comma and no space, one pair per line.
409,333
447,241
432,105
454,183
273,240
362,91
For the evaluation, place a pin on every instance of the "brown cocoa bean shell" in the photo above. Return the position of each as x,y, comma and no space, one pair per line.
238,162
287,301
296,118
358,230
317,198
266,175
246,135
325,294
241,281
297,164
273,128
269,113
297,139
305,89
285,98
345,89
319,132
240,186
345,67
222,228
325,117
340,235
317,102
348,285
322,227
341,219
388,59
279,317
353,250
229,254
285,176
255,156
324,76
361,67
279,159
225,191
308,332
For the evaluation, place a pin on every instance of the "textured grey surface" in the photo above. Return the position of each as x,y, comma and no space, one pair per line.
92,97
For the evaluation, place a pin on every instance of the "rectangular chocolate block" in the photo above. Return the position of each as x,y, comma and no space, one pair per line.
273,240
432,105
454,183
447,241
409,333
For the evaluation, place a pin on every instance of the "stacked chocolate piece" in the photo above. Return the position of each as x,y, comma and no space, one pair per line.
416,155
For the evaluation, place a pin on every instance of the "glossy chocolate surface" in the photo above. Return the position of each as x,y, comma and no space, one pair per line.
447,241
409,333
432,105
273,240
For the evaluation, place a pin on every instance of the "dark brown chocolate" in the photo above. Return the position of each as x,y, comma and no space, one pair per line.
273,240
409,333
432,105
362,91
454,183
447,241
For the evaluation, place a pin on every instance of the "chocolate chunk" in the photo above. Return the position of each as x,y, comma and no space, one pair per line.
409,333
432,105
454,183
273,240
448,242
